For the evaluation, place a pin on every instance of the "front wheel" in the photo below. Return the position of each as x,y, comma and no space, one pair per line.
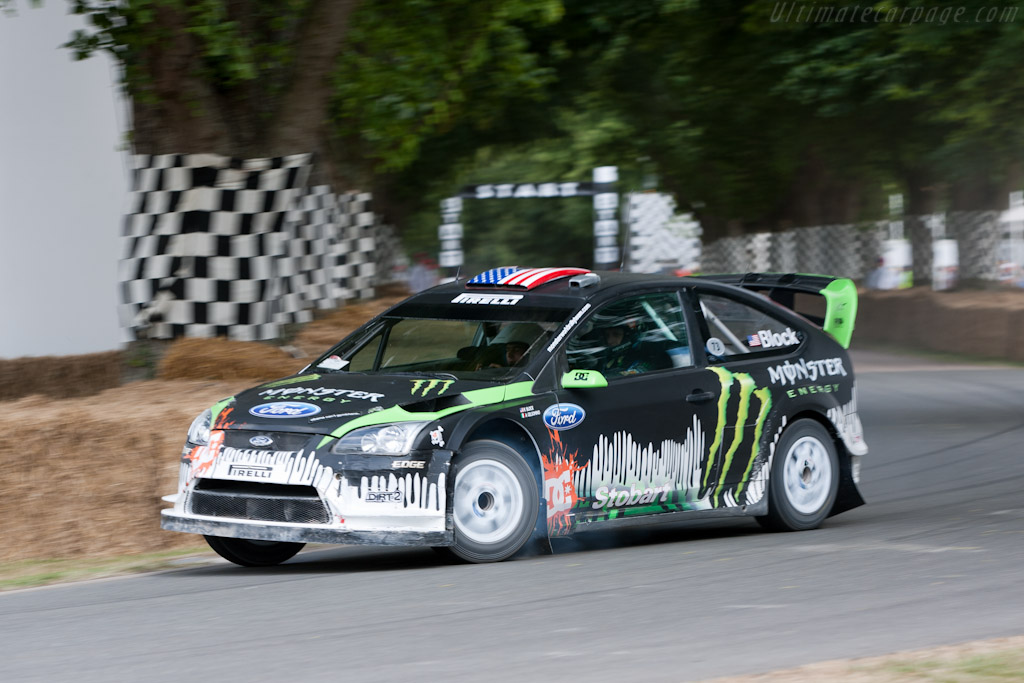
494,502
253,553
804,479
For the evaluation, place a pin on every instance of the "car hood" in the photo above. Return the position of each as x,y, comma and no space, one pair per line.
324,404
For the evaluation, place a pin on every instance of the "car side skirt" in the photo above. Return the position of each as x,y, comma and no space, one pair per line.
754,510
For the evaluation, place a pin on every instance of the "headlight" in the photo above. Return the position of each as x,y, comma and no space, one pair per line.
392,439
199,432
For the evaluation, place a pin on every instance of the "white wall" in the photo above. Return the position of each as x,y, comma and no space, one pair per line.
63,189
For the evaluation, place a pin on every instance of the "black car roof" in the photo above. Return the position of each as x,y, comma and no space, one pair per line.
560,292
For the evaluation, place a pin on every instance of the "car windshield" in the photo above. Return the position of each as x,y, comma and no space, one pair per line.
491,347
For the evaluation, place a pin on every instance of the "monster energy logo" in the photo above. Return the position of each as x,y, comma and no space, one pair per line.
422,387
746,389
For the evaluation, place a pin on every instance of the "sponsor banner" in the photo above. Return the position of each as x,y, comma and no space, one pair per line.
333,416
320,392
567,327
528,411
488,299
812,389
611,496
528,190
250,471
384,497
810,370
284,409
563,416
768,339
408,464
423,387
415,494
272,467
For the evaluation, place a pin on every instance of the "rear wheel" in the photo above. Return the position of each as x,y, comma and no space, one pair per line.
804,479
250,553
494,502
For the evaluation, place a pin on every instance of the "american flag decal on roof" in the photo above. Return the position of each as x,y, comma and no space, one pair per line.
524,278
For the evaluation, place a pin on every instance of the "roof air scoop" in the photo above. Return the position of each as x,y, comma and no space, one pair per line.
585,280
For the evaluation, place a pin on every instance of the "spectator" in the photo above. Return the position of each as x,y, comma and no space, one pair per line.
423,274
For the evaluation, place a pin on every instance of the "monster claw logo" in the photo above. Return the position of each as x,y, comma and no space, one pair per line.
746,391
422,387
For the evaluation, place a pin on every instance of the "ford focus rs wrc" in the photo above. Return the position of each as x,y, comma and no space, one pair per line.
540,402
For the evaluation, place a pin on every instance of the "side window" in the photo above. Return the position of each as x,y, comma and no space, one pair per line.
736,328
632,336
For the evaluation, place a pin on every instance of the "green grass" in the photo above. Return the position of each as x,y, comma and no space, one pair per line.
989,668
31,573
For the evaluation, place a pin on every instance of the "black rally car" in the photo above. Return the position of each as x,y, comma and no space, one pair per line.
540,401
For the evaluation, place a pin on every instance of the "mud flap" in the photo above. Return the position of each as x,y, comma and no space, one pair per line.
848,496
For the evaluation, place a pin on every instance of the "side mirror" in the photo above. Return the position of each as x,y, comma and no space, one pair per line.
583,379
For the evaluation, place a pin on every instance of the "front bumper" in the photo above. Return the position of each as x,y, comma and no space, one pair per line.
171,520
308,495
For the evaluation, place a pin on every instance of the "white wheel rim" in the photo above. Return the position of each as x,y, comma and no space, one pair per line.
487,502
807,475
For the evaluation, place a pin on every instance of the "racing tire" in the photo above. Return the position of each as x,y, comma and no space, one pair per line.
804,479
248,553
494,502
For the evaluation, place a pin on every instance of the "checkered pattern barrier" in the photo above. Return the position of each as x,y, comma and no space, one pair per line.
238,247
659,239
853,250
841,250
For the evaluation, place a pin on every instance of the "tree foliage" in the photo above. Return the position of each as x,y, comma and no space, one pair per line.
752,117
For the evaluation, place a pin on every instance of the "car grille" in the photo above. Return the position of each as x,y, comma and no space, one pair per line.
264,502
282,441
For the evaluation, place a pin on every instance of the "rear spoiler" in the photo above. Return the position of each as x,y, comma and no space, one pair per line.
839,293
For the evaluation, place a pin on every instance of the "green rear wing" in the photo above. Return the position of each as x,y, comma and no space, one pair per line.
828,302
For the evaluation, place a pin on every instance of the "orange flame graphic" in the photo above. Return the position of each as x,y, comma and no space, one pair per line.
203,457
559,488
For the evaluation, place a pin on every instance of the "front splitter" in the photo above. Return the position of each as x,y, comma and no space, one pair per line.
241,528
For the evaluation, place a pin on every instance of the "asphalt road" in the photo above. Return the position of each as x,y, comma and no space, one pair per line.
936,557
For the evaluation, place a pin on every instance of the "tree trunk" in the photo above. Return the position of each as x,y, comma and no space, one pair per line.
173,110
300,123
178,111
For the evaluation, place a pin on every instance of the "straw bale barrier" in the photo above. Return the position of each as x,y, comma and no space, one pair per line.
59,376
220,358
985,324
84,476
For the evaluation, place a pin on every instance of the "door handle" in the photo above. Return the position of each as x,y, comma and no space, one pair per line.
697,396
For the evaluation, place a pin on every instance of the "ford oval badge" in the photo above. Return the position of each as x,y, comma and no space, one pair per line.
261,440
285,409
564,416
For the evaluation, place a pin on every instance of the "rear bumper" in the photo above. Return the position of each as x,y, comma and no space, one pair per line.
298,533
